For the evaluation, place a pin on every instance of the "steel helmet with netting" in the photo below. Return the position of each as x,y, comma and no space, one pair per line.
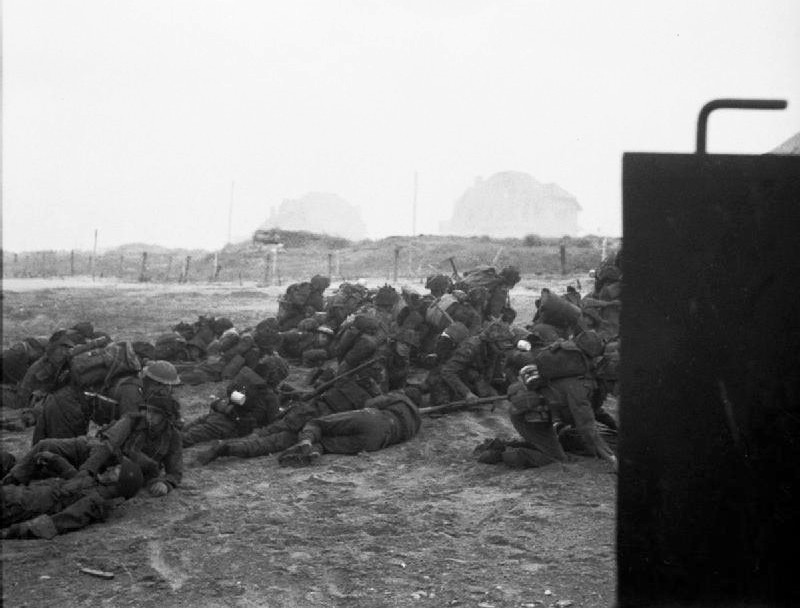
162,371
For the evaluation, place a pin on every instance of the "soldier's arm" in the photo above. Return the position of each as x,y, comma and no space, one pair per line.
130,397
454,367
173,463
111,441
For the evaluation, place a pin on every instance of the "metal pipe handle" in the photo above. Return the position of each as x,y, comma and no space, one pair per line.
739,104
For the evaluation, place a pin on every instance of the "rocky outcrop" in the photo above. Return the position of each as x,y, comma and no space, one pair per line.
514,204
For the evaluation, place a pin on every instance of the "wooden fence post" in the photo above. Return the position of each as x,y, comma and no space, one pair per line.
275,279
185,276
143,273
217,267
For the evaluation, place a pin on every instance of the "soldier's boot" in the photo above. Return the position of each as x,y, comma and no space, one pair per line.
521,455
39,527
216,450
490,451
55,465
300,454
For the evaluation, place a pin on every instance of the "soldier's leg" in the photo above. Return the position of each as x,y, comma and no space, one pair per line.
297,415
349,432
78,515
74,450
63,414
213,425
539,434
23,502
254,445
89,509
577,395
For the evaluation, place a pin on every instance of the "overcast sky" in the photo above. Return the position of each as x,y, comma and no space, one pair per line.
144,119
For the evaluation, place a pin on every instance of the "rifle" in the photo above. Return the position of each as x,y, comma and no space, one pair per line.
326,385
101,398
456,276
459,405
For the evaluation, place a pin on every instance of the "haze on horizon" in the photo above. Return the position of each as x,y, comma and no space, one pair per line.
144,119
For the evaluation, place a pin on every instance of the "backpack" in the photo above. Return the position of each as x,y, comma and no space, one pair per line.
557,311
561,359
434,315
348,297
89,368
608,367
482,276
99,366
170,347
298,293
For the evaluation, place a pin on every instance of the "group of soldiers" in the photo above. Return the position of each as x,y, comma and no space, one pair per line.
374,358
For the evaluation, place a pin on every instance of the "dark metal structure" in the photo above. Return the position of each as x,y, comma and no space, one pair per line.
709,476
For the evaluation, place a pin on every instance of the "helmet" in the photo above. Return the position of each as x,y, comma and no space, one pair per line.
387,296
457,332
529,376
589,342
510,275
85,328
366,323
163,372
439,283
319,282
130,479
61,337
229,338
273,368
221,324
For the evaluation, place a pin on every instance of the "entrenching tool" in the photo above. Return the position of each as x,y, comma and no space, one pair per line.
456,276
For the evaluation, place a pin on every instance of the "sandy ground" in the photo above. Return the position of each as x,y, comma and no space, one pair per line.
418,524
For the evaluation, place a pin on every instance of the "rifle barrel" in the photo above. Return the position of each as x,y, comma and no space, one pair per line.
458,404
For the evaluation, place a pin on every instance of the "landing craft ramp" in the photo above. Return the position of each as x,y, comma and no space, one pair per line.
709,471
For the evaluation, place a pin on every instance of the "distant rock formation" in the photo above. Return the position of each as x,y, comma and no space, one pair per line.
513,204
319,212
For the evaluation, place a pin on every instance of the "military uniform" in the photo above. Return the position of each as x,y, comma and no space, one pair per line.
159,453
385,420
471,369
346,395
46,508
563,400
227,420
